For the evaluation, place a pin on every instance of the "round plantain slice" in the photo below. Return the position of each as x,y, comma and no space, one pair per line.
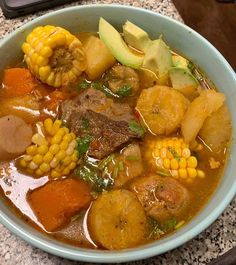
162,109
117,220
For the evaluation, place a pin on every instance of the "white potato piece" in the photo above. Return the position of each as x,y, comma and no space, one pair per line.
217,129
15,136
202,107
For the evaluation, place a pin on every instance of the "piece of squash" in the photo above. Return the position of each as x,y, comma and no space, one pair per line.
99,58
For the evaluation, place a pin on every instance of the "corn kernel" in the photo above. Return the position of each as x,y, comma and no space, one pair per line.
42,149
74,156
174,164
48,157
156,153
163,152
182,163
169,155
48,125
54,148
166,163
39,172
44,167
66,171
22,162
60,155
67,160
175,173
31,150
183,173
27,158
72,165
38,159
69,151
67,138
66,130
159,145
33,165
192,161
200,173
63,145
186,153
39,139
54,163
73,135
56,139
192,172
55,174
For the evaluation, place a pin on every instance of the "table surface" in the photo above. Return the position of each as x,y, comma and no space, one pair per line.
214,241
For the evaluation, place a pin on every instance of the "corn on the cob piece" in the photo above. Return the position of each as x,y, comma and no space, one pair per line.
52,153
174,156
54,55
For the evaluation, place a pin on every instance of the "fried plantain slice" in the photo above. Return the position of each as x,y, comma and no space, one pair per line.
162,109
117,220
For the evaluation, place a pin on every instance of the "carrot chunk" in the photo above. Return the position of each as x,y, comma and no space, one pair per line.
18,82
57,201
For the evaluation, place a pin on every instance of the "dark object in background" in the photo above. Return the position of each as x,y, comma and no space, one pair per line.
215,21
226,1
15,8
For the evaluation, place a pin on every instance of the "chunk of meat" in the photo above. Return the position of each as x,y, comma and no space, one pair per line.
15,136
161,197
120,76
107,134
95,100
132,165
57,201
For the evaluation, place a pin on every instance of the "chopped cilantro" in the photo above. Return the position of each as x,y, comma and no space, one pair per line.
174,153
155,230
133,158
83,144
124,91
83,85
103,88
169,225
136,128
93,176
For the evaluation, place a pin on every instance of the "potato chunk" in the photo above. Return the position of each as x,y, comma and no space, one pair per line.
57,201
99,58
202,107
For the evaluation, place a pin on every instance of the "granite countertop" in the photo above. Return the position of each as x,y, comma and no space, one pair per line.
216,240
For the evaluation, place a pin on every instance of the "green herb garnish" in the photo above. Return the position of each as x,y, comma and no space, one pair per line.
83,144
93,176
83,85
121,165
115,171
132,158
174,153
136,128
163,173
169,225
103,163
156,231
103,88
124,91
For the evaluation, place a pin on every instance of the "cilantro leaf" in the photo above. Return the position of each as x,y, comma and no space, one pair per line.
85,124
83,85
124,91
83,144
136,128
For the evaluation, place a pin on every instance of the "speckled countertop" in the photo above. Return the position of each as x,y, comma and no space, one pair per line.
217,239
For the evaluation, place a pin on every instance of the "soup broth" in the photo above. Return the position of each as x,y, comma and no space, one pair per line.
113,160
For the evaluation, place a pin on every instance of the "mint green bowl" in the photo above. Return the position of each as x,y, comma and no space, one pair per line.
187,42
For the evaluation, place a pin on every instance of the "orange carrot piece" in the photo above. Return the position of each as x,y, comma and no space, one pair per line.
57,201
18,82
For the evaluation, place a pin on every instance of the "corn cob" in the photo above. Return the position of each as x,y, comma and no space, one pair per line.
54,55
173,155
53,151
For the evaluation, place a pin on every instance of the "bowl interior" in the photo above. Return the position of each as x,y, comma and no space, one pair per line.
185,41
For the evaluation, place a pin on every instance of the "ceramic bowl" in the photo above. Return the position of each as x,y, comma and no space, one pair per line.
185,41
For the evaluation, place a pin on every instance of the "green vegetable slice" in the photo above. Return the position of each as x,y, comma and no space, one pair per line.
83,144
124,91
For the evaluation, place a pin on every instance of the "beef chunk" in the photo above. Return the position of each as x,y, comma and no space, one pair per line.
92,99
107,121
107,134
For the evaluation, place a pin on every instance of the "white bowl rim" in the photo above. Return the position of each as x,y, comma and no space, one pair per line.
148,250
